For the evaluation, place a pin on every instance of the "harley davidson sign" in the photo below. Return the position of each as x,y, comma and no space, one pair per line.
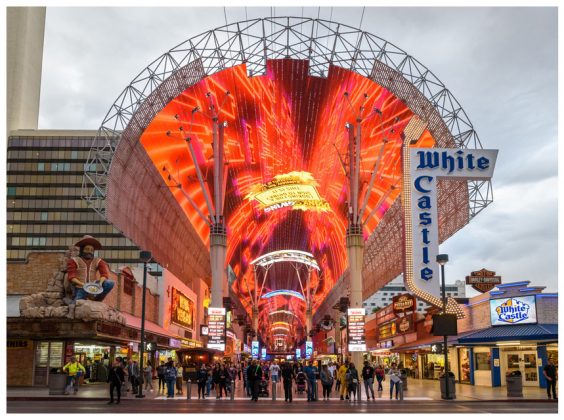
483,280
403,303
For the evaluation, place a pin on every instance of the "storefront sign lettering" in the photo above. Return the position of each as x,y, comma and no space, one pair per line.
182,310
403,303
483,280
515,310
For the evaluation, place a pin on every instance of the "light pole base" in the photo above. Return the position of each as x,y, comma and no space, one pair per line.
140,396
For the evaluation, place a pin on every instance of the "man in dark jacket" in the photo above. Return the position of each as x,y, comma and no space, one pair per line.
202,379
288,377
116,378
254,376
368,378
311,373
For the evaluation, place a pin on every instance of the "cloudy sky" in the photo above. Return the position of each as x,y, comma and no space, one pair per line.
500,63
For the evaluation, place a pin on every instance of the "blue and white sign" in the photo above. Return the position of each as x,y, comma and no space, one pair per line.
254,349
309,349
298,353
427,166
513,311
263,353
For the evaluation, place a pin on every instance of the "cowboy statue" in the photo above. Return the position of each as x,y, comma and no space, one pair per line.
82,270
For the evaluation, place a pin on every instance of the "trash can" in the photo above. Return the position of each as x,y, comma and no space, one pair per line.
57,382
403,377
514,382
451,387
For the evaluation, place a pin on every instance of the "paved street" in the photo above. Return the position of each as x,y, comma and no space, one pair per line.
422,396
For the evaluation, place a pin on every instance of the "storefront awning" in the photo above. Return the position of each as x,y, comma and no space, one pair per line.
535,332
427,342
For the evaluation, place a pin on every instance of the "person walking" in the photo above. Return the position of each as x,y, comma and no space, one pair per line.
311,374
342,378
326,381
368,379
246,386
202,379
74,370
274,372
221,377
209,382
161,375
352,380
179,373
148,376
254,376
551,374
170,378
116,378
395,380
288,378
133,374
380,376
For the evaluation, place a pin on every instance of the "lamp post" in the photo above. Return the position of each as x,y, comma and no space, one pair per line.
145,256
442,259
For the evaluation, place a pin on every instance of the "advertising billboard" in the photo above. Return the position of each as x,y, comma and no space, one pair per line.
182,310
309,349
255,349
216,328
514,310
298,353
355,329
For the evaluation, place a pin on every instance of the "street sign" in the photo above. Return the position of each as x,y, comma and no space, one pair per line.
150,347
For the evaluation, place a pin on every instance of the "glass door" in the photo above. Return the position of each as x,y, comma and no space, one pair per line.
531,373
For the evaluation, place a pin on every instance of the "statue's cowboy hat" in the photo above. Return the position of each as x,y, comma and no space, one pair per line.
89,240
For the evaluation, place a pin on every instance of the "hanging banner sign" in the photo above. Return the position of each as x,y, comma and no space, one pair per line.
216,328
255,349
355,329
309,349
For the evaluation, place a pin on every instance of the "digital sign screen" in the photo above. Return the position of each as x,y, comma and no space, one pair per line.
182,310
513,311
298,353
263,353
255,349
355,329
216,328
309,349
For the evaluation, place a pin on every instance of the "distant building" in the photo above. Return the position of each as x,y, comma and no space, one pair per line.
383,297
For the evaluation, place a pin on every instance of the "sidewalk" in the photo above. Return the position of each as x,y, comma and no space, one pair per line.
418,389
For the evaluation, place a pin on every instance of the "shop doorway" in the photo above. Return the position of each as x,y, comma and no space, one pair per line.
526,363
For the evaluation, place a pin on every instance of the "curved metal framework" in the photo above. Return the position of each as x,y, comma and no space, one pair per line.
324,43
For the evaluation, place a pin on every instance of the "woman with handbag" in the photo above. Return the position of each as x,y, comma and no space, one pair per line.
352,380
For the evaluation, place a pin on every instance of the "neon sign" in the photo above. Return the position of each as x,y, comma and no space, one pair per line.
515,310
295,189
182,310
422,168
292,293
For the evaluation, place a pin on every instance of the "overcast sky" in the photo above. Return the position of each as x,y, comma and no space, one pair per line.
500,63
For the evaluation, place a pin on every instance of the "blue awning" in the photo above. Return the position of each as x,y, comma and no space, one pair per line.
513,332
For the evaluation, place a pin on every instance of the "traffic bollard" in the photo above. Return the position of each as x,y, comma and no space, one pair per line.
232,390
359,393
273,391
189,389
400,391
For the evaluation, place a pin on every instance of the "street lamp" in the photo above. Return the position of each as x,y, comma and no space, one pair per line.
442,259
144,256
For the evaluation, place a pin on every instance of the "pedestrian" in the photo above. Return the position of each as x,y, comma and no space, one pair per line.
551,374
336,376
368,379
179,371
311,375
352,380
221,377
395,380
232,378
266,370
288,377
74,370
161,374
133,375
170,378
148,376
380,376
209,382
202,379
254,376
342,377
332,370
274,371
116,378
246,386
326,381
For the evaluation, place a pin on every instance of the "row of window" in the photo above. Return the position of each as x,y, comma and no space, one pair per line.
39,142
50,166
47,180
22,192
116,255
38,154
46,203
65,242
44,216
61,229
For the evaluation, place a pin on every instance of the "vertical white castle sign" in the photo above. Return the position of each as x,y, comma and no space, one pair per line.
422,168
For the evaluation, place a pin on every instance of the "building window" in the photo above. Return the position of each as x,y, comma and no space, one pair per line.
44,215
483,361
11,191
41,166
